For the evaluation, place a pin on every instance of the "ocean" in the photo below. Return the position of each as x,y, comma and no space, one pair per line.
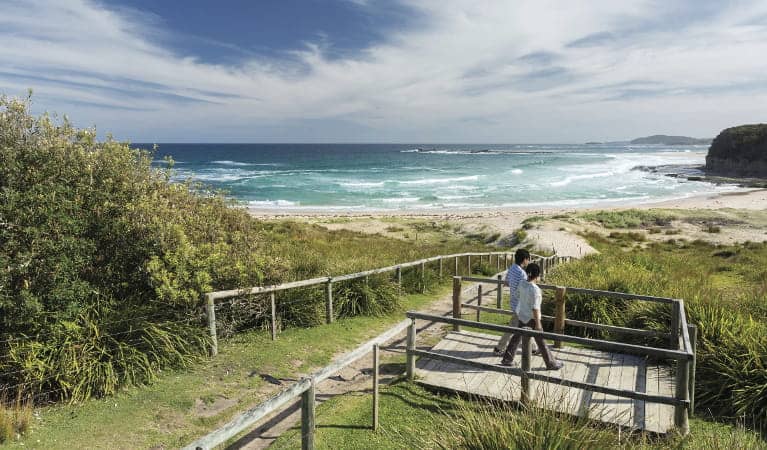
354,177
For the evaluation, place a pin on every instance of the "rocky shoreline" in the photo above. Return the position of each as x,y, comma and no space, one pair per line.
700,173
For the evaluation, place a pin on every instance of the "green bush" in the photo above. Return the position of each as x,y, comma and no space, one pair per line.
104,262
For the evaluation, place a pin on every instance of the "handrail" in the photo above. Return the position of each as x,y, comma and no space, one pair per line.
219,295
575,323
251,416
552,379
596,343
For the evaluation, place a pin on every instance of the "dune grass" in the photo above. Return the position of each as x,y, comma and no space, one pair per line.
412,417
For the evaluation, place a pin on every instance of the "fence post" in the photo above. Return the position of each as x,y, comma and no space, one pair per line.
468,265
693,331
329,302
273,303
499,292
497,263
440,267
423,277
682,393
559,316
527,355
456,301
307,418
410,366
210,307
505,261
455,272
676,311
479,299
375,387
399,276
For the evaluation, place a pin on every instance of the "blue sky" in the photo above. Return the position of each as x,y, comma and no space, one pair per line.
389,70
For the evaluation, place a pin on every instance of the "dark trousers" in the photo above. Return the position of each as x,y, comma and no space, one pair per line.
544,350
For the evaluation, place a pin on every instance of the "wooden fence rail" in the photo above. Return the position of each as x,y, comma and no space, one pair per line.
681,400
212,297
306,390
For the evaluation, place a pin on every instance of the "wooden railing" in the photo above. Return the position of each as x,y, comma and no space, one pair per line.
682,343
502,260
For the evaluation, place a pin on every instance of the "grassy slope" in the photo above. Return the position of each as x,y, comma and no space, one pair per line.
162,414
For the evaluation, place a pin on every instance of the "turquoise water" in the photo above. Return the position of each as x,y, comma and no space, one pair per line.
439,177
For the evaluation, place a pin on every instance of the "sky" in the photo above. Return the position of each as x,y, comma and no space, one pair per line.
419,71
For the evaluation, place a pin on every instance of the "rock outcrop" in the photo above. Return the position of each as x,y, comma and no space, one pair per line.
739,151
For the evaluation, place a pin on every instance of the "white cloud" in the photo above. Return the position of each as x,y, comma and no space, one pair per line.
471,71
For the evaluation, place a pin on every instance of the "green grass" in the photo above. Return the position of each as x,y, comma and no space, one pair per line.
412,417
163,412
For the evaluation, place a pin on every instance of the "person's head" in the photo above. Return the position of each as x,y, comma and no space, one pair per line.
521,257
533,271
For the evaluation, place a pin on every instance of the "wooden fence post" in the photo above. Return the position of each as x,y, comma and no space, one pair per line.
499,292
410,366
527,355
399,276
329,302
468,265
375,387
455,272
210,307
681,418
308,399
559,316
479,299
273,303
423,277
440,267
497,263
693,331
676,312
456,301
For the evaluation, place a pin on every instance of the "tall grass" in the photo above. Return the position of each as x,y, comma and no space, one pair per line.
728,306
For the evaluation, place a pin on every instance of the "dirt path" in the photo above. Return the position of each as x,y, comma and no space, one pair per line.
357,377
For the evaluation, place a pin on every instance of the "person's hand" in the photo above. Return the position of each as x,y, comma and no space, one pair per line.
538,328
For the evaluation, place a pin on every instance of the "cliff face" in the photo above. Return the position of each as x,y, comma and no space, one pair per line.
739,151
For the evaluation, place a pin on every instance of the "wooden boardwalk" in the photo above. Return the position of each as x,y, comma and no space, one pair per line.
585,365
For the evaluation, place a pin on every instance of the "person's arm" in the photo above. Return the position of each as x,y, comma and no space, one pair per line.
537,310
506,278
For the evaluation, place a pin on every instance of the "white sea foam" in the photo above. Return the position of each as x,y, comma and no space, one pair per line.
272,203
572,178
440,180
516,171
400,200
363,184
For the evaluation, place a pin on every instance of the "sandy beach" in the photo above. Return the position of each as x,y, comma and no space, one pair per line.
740,216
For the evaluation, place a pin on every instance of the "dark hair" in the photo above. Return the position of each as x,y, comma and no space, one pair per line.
533,271
521,255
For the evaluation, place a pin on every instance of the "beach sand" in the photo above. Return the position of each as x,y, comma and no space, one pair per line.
740,216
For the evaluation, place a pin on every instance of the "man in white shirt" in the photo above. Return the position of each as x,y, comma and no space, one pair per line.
529,315
514,275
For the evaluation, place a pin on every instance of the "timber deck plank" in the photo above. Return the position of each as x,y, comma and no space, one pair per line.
581,364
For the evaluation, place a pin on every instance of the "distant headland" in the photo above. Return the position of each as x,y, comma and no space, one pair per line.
662,139
658,139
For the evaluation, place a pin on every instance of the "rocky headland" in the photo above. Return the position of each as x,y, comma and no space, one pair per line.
739,152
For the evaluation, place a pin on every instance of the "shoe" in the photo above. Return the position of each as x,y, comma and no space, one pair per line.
497,351
556,366
507,362
536,352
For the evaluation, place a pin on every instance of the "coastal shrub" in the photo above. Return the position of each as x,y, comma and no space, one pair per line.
631,218
374,296
103,262
499,426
